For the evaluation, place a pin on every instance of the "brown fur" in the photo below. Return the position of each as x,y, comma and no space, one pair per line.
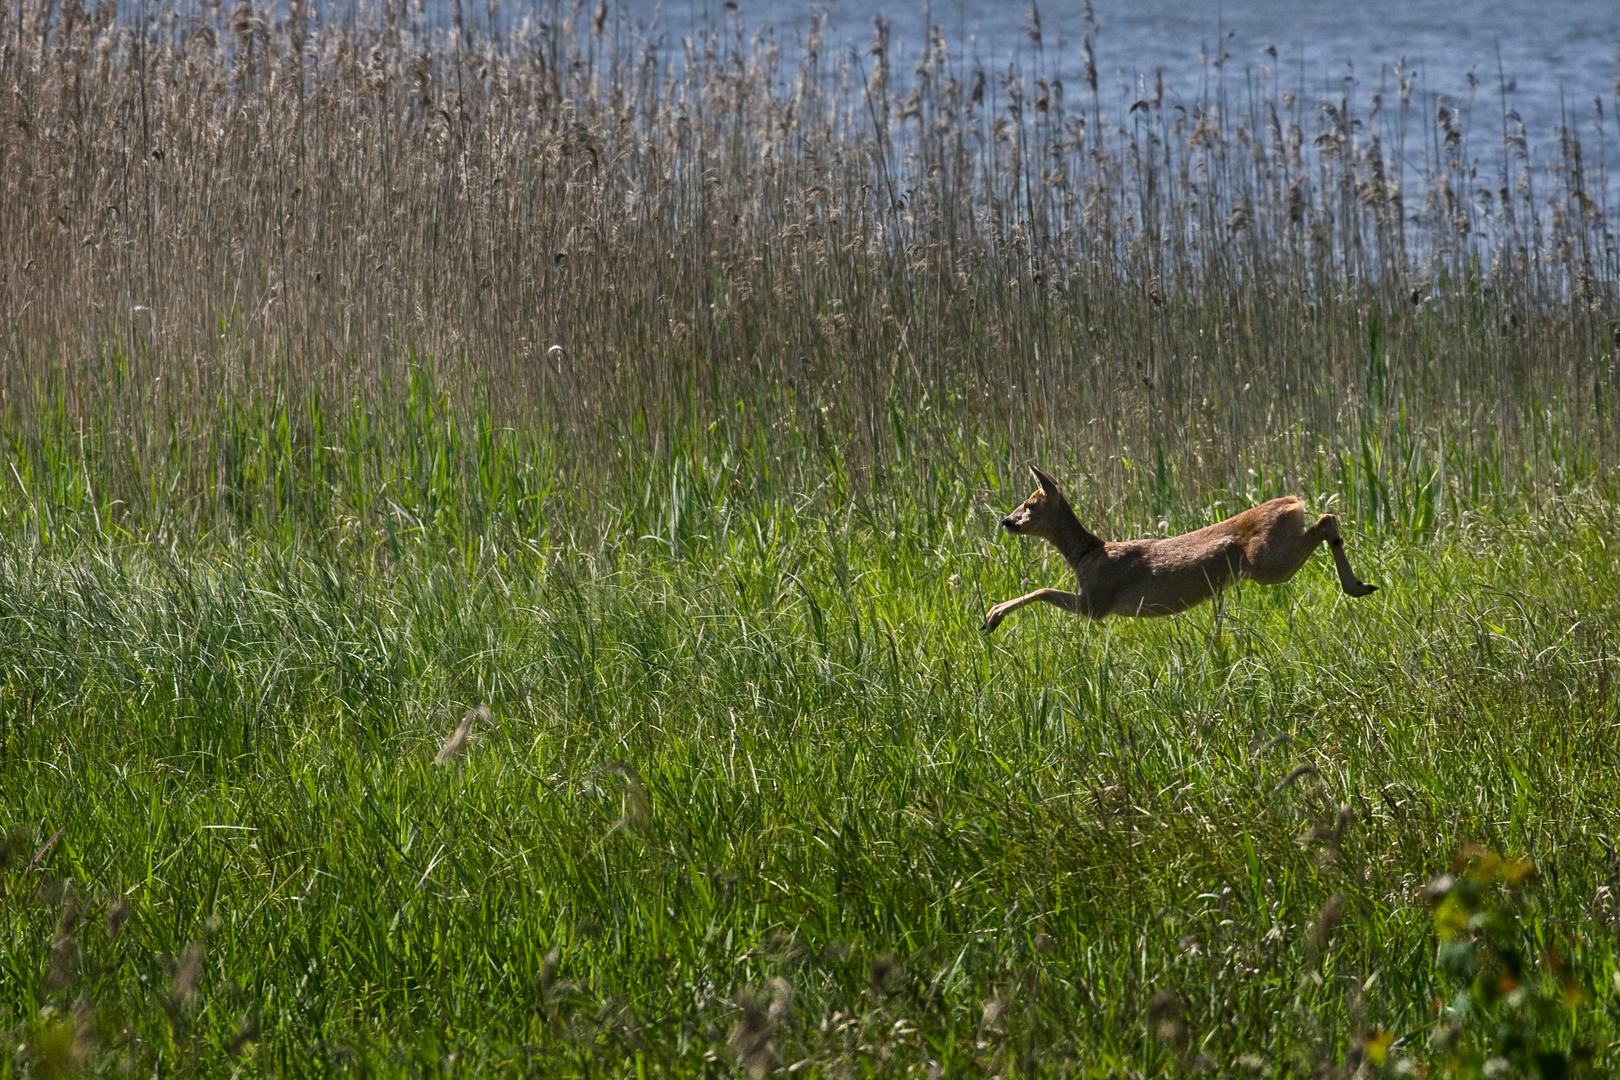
1266,544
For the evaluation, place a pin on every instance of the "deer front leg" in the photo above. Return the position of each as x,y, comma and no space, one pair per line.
1068,601
1327,528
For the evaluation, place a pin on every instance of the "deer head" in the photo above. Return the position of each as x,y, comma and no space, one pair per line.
1043,514
1046,514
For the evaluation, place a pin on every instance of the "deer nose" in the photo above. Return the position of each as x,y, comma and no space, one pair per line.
1009,524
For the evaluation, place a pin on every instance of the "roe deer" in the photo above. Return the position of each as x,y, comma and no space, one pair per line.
1266,544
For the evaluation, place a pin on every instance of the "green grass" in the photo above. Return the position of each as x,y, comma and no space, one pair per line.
768,741
355,378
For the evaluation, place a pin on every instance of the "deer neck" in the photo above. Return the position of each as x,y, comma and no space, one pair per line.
1073,541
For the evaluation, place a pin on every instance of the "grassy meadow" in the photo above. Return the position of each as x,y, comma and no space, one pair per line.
494,530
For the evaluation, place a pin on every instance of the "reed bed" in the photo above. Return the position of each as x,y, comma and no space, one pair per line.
212,211
493,529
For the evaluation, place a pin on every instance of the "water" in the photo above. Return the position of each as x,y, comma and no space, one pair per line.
1567,51
1548,62
1556,64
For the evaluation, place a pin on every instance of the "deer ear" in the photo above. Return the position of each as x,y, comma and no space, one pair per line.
1048,485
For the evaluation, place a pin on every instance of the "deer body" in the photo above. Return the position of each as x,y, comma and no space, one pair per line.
1266,544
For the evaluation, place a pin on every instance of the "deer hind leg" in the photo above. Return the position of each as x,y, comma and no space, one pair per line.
1276,554
1068,601
1327,528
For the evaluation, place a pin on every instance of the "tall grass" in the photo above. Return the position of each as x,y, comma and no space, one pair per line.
318,222
492,531
776,800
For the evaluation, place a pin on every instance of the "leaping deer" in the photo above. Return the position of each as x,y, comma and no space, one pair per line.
1265,544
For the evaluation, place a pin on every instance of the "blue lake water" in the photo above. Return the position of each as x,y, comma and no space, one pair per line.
1549,62
1556,63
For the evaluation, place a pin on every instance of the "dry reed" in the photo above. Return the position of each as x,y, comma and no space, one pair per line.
601,244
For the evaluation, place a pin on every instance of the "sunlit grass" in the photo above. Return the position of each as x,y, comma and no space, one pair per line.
784,752
493,535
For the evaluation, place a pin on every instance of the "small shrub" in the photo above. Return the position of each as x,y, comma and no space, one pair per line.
1509,1017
